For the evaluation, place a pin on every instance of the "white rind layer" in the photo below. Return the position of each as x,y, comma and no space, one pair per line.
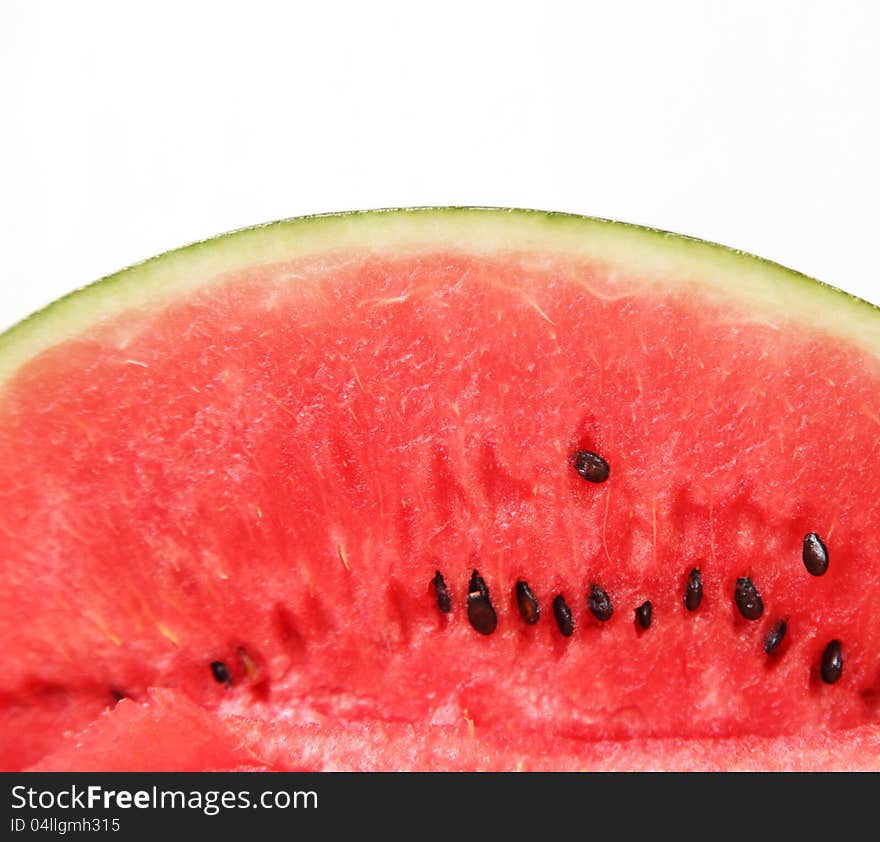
638,259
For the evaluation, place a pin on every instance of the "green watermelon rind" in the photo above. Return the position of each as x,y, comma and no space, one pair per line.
773,292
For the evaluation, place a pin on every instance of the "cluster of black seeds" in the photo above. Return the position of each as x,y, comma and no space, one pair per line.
484,619
746,596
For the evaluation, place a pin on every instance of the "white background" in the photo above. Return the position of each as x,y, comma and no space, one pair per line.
131,128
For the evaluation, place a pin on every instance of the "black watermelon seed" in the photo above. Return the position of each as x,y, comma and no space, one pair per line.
644,614
775,636
815,554
117,695
748,599
591,466
599,603
444,601
481,614
221,673
562,613
477,586
832,662
693,592
529,609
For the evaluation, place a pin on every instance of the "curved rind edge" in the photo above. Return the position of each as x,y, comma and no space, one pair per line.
772,290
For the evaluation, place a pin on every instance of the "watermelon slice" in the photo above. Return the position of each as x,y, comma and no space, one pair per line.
442,489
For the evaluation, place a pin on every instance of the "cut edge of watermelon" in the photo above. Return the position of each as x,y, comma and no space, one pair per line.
169,732
651,255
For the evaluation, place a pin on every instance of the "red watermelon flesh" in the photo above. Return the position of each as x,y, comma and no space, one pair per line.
168,731
258,452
